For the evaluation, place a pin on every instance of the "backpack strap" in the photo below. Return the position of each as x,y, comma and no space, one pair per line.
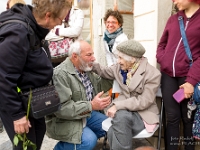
30,30
185,41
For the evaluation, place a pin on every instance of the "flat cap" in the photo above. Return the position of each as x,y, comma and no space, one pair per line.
131,48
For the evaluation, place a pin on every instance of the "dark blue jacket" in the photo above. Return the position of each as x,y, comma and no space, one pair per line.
20,66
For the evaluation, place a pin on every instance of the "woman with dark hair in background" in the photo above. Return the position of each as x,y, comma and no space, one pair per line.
113,36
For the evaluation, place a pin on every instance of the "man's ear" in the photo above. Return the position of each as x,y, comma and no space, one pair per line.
74,55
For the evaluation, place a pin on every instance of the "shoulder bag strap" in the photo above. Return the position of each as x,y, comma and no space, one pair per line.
33,45
185,42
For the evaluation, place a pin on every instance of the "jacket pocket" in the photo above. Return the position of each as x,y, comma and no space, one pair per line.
77,95
64,128
139,89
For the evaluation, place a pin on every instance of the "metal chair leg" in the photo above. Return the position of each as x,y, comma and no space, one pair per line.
104,142
164,125
113,96
160,126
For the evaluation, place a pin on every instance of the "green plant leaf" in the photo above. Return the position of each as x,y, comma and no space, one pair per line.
31,143
20,137
15,140
34,147
25,147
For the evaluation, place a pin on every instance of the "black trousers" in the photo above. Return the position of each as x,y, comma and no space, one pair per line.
36,132
175,113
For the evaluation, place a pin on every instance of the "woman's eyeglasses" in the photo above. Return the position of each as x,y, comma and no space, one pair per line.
111,22
61,21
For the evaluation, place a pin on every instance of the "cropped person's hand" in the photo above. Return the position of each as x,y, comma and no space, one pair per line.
99,103
188,89
111,111
22,125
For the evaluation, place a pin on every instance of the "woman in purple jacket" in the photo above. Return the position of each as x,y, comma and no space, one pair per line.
177,73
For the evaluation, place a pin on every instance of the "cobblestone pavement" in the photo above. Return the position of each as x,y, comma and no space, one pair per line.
48,144
5,143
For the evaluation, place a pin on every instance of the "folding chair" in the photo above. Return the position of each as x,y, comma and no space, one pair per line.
143,134
162,122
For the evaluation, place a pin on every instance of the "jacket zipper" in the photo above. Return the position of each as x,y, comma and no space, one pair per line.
173,65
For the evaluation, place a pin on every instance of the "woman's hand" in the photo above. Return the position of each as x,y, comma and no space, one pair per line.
111,111
188,89
22,125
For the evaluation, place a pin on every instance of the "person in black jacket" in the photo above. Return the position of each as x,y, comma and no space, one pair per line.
22,67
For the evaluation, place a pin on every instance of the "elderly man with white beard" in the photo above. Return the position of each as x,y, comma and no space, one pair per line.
78,123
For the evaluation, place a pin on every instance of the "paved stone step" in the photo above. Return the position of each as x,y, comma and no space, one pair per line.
5,143
48,144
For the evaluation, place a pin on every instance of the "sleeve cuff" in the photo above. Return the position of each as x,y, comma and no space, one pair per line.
18,116
191,81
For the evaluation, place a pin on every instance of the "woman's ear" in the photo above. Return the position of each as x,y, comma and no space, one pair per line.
47,19
47,16
133,60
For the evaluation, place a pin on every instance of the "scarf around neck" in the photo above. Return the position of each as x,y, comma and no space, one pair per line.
110,37
132,71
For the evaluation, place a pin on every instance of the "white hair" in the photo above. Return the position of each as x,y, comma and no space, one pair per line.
74,48
125,56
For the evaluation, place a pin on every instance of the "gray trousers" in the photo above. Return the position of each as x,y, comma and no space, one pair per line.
125,125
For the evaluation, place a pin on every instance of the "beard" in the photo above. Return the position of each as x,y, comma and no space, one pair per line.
85,66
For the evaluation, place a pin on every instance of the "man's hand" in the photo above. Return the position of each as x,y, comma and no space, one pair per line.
188,89
22,125
111,111
99,103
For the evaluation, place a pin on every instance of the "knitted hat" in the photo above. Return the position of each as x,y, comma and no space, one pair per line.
131,48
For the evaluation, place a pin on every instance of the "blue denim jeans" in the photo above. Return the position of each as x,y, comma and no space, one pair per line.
91,133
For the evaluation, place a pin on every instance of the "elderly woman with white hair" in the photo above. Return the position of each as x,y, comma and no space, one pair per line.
135,108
